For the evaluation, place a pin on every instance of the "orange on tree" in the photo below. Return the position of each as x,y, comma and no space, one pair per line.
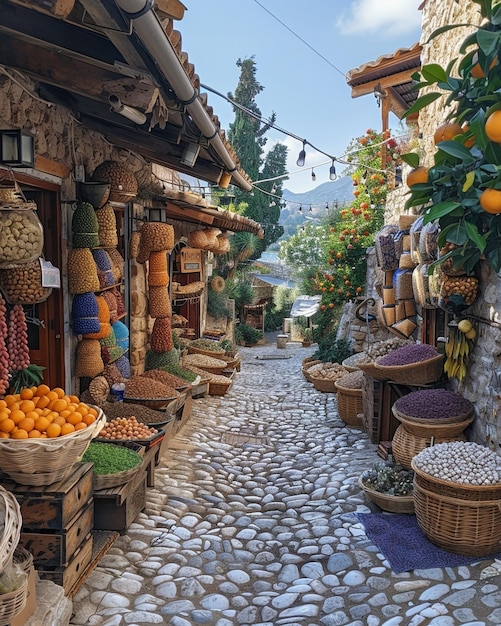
476,71
417,175
446,132
490,200
493,126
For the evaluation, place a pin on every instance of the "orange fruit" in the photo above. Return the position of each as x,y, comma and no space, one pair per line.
476,71
41,424
447,131
16,415
60,392
53,430
43,401
10,400
26,394
42,390
92,411
74,418
83,409
59,405
490,200
52,395
89,419
75,399
34,434
493,126
80,425
59,420
7,425
417,175
3,404
20,434
4,414
51,415
32,415
4,435
66,429
26,424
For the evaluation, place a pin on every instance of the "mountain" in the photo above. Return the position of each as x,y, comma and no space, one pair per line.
340,190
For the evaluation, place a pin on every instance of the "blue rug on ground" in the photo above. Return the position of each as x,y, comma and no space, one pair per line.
405,547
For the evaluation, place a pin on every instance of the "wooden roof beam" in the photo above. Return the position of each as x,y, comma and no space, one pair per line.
386,82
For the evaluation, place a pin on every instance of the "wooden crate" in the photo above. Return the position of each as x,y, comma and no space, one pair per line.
53,506
57,548
67,576
118,507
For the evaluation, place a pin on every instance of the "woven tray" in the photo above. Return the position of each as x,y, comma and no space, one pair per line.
23,459
349,405
405,445
420,373
464,519
386,502
217,354
10,516
456,419
438,430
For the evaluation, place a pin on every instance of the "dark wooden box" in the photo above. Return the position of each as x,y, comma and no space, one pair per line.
68,576
116,508
53,506
56,548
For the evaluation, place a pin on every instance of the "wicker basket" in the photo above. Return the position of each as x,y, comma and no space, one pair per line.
456,419
420,373
10,515
13,603
387,502
350,363
151,403
349,405
306,367
216,354
107,481
219,388
405,445
437,430
465,519
323,384
371,370
23,459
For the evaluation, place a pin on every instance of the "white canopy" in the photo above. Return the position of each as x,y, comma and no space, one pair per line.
305,306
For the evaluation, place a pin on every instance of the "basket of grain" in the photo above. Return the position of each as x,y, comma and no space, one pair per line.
349,398
323,376
148,391
220,385
204,362
414,364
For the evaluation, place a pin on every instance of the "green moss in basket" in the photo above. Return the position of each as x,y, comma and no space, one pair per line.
392,480
159,360
110,459
177,370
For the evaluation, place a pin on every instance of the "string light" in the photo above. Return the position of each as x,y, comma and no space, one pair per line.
313,175
300,208
302,156
332,171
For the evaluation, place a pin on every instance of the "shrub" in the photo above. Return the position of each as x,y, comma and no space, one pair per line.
244,332
331,350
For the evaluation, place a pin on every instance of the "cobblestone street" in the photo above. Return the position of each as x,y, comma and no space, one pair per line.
252,522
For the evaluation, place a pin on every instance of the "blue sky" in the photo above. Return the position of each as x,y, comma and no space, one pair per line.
308,94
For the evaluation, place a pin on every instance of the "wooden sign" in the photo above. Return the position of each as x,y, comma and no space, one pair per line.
190,260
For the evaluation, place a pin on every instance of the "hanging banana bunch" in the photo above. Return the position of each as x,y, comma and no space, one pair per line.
460,341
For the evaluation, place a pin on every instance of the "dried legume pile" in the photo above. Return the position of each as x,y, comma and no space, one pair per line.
327,371
147,388
433,404
462,462
216,378
166,378
206,344
202,360
413,353
110,459
142,413
353,380
381,348
126,428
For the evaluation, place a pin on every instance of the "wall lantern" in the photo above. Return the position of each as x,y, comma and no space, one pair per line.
190,154
17,148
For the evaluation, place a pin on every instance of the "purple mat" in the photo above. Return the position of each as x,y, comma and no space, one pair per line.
405,547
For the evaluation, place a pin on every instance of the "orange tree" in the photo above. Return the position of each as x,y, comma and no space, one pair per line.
462,189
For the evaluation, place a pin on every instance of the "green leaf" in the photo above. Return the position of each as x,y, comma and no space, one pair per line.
444,29
475,236
422,102
468,41
439,210
411,158
457,150
488,41
434,73
457,234
496,16
470,177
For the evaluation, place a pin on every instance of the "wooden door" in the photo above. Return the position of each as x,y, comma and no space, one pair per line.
46,320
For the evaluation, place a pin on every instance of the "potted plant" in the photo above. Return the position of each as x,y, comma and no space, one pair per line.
389,486
307,337
248,335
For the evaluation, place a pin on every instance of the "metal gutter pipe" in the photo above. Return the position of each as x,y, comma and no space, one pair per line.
148,27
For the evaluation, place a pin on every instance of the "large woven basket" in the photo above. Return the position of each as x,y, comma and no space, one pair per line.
219,388
46,461
456,419
107,481
323,384
349,405
216,354
465,519
420,373
371,370
387,502
306,367
11,521
435,431
405,445
13,603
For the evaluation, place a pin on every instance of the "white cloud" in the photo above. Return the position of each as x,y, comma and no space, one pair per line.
400,16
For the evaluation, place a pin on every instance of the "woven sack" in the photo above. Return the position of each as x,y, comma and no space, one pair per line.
84,226
158,275
117,263
22,284
103,314
198,239
143,252
161,335
111,354
111,301
113,374
122,335
158,302
107,226
223,246
135,238
212,238
122,180
99,390
123,366
120,301
82,271
386,254
84,314
110,341
157,236
88,362
103,264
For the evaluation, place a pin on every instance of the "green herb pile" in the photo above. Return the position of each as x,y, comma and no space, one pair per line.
393,480
110,459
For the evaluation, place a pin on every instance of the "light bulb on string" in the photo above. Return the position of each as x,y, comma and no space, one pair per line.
311,209
300,209
302,156
313,175
332,171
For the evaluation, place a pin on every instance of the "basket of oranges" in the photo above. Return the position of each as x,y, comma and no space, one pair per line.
43,433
